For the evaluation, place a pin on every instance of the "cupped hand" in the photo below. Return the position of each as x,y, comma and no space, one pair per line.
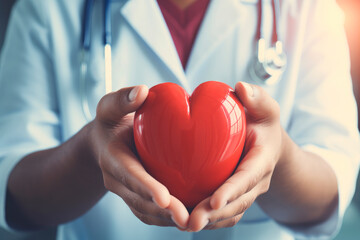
262,151
123,174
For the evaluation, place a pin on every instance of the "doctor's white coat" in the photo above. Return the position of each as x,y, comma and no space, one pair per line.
40,88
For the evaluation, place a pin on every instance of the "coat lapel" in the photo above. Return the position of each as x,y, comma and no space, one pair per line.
221,18
146,19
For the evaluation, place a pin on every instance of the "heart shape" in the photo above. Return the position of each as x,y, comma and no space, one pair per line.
191,144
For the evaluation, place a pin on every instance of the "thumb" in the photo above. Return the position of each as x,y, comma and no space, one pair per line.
114,106
259,105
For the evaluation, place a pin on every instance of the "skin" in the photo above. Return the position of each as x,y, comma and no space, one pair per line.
57,185
292,186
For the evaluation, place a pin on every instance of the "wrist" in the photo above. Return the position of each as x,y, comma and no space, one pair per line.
88,147
88,153
286,149
286,166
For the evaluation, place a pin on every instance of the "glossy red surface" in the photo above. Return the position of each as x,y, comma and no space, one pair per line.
191,144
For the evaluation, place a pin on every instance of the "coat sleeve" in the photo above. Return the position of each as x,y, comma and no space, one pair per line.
29,119
324,115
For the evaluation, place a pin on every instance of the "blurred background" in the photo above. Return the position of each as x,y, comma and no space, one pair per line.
351,226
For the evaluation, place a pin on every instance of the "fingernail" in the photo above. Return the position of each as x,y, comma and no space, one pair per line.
133,93
248,88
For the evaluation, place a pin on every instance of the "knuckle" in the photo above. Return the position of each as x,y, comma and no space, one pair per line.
124,179
211,227
164,214
230,184
235,220
137,205
255,179
268,170
133,170
227,190
244,205
150,219
214,220
275,108
265,187
101,104
259,90
144,218
107,184
102,163
132,184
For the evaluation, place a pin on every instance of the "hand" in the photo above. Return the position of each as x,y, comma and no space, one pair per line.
123,174
262,151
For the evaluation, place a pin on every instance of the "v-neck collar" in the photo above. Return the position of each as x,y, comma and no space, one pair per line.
183,16
146,19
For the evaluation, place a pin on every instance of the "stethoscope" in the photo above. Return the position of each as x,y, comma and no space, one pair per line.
86,44
269,62
268,65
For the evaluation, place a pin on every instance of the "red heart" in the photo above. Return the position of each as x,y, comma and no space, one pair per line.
191,144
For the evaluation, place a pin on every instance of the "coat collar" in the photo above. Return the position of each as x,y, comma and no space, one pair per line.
220,20
146,19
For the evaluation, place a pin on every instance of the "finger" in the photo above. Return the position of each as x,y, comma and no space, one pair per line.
176,211
236,207
114,106
199,217
179,213
251,171
151,220
134,200
260,106
225,223
203,215
128,170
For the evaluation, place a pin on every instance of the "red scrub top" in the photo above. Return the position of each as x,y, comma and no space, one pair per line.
183,24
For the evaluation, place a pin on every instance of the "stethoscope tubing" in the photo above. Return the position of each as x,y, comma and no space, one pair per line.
86,45
261,16
86,27
107,41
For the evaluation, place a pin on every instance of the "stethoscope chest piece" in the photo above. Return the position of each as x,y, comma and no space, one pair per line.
268,65
270,61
